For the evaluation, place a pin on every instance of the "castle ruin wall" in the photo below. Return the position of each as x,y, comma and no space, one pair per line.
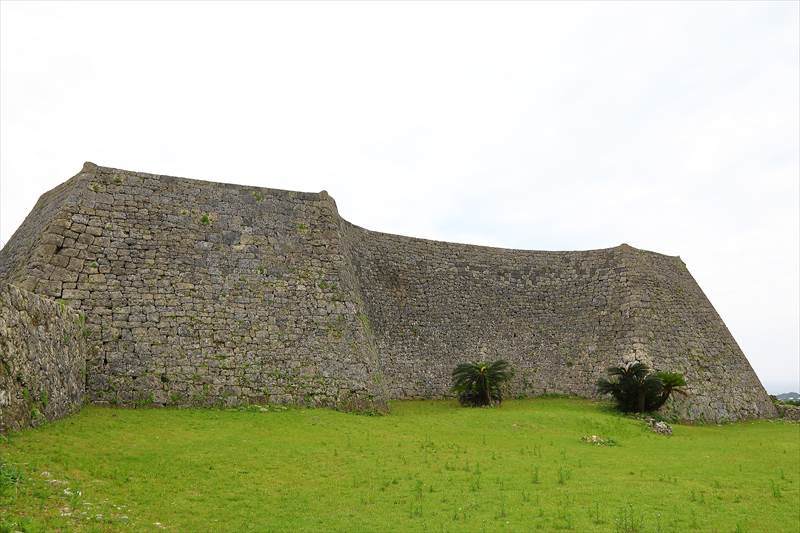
210,293
42,359
560,318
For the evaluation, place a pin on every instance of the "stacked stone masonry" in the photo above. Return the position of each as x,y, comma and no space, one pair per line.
209,293
42,359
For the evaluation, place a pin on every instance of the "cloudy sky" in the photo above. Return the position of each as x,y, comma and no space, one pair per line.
673,127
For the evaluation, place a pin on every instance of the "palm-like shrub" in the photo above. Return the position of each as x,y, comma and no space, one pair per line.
672,383
638,389
479,383
631,385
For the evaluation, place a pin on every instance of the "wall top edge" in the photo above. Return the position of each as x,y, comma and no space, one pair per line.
94,169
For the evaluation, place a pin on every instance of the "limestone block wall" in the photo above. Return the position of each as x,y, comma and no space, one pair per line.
42,359
201,293
676,328
209,293
789,412
560,318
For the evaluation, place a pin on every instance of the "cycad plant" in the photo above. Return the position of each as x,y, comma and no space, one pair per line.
478,383
637,389
672,383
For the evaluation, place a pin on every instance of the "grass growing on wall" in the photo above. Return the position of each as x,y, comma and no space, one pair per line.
429,467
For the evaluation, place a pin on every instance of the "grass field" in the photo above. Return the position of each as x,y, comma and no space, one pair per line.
429,466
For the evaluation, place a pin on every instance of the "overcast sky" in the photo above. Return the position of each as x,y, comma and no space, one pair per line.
673,127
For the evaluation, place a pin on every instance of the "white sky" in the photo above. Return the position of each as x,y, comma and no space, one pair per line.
674,127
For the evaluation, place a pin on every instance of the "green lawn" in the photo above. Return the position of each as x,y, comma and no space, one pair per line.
429,466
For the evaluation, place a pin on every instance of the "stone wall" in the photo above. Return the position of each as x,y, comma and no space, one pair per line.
556,316
202,293
209,293
42,359
560,319
789,412
676,328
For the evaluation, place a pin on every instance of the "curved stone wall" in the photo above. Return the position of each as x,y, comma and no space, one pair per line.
201,292
560,318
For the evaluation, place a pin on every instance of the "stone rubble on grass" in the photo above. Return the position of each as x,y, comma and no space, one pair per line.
662,428
598,441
